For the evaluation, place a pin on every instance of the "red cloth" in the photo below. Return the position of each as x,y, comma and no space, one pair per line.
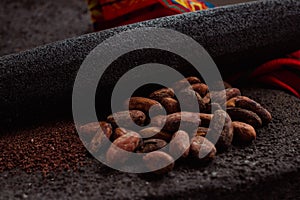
283,73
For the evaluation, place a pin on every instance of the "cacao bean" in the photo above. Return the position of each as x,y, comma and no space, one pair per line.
201,131
206,99
87,131
249,104
189,98
99,142
159,160
143,104
179,145
155,133
243,115
172,122
171,105
202,149
151,145
243,133
200,88
118,132
205,119
221,122
119,151
218,96
158,95
126,117
184,83
213,107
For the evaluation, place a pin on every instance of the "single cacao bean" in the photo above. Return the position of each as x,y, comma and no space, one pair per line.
179,145
200,88
243,133
100,140
119,150
159,160
151,145
143,104
155,133
171,123
243,115
125,118
158,95
221,122
202,149
171,105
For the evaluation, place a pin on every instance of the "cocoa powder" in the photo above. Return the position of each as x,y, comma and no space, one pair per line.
52,147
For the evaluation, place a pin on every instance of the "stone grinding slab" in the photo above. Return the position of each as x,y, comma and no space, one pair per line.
34,81
267,169
40,81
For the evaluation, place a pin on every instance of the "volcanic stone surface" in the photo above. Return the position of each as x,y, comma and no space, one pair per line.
266,169
237,37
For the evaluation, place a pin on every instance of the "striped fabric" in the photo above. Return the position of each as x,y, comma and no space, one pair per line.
111,13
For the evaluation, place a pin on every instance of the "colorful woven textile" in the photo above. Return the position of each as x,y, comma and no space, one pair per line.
111,13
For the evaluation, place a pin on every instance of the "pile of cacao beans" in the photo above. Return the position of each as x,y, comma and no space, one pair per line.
233,121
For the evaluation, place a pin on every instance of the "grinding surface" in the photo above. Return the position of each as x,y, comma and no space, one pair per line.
239,35
267,169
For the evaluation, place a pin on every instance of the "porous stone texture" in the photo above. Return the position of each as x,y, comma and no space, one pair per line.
267,169
27,24
40,80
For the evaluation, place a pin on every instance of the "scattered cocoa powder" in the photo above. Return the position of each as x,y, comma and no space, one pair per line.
51,147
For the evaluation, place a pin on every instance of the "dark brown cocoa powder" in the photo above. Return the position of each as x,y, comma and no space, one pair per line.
52,147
